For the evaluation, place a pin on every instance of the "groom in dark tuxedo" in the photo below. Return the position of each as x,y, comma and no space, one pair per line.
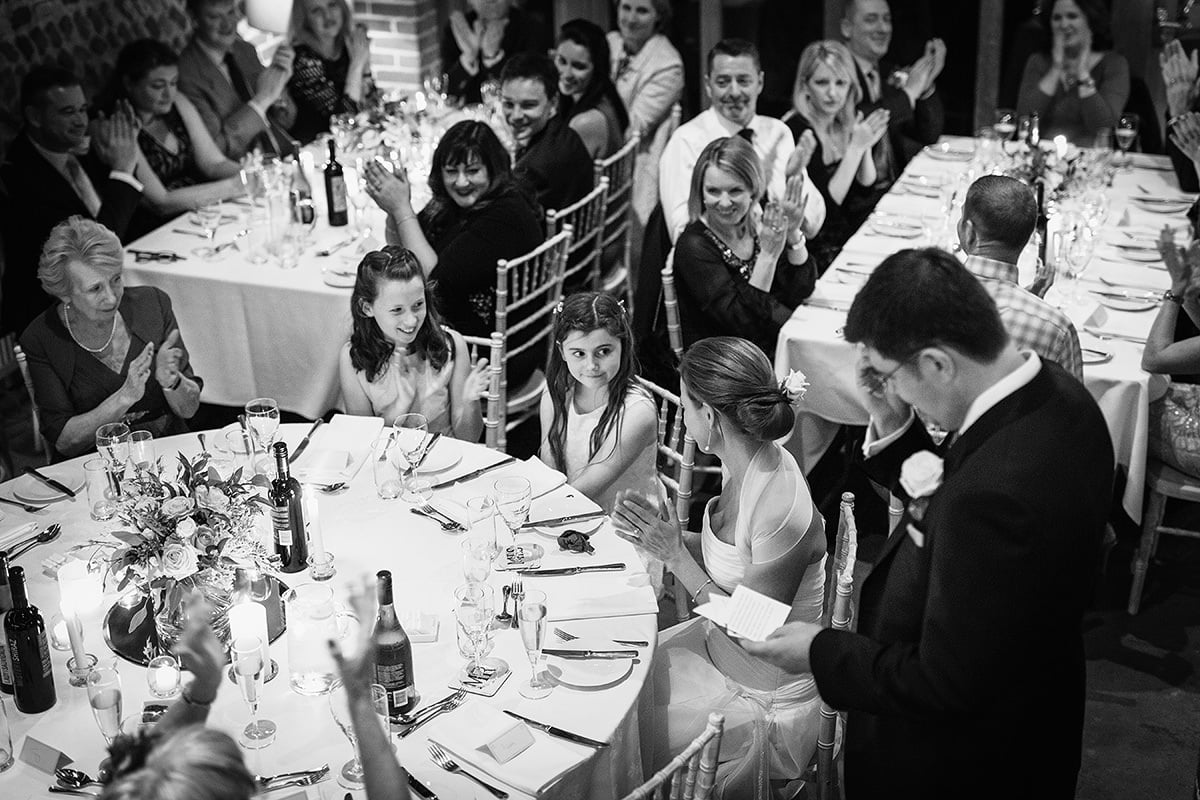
966,675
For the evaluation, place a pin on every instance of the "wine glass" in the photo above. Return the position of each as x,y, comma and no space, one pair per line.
141,453
360,200
411,430
513,496
474,609
262,416
1126,133
1078,244
1005,123
104,696
209,219
351,774
531,617
112,443
249,670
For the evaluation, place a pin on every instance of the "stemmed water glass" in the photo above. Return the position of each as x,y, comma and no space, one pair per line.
249,670
474,610
104,696
112,443
351,774
1005,123
513,496
531,617
1126,133
1078,244
411,431
141,453
360,200
262,417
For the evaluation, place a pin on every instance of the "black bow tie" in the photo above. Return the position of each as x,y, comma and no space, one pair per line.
746,134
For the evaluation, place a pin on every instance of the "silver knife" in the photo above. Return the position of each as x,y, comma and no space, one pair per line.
584,654
546,523
46,479
533,573
1135,296
425,451
559,732
304,442
474,473
820,302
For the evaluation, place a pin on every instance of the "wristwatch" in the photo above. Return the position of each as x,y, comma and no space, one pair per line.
1177,299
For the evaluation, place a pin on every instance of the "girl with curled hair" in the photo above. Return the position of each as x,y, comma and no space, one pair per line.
195,763
600,426
399,359
762,531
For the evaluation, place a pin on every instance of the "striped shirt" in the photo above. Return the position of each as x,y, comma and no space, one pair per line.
1032,323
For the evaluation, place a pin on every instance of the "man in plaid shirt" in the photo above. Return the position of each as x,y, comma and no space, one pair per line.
998,217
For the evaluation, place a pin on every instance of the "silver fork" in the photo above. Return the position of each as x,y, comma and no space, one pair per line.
433,512
454,702
443,760
30,508
570,637
409,719
518,594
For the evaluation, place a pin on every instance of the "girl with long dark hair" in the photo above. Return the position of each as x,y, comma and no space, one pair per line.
588,98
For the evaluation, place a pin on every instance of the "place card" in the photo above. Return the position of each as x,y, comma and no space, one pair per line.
42,756
747,614
509,743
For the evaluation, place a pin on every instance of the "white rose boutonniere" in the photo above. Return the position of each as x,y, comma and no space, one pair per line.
921,476
794,386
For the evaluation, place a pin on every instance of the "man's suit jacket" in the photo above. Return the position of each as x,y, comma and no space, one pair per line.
33,199
911,127
967,667
235,126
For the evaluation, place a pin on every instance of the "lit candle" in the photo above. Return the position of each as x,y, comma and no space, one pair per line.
163,676
1060,145
75,592
75,633
316,542
250,619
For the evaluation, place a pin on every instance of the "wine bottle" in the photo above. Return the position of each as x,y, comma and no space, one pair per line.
25,632
287,514
301,191
393,652
1035,130
335,189
6,684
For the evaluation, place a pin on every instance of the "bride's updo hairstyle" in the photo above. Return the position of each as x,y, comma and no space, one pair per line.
734,377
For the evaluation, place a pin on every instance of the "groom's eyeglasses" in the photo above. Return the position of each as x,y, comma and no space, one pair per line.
876,381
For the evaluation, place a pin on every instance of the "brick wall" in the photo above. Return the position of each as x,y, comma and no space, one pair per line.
404,40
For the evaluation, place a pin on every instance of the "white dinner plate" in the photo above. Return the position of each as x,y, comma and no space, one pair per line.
583,526
1139,255
337,278
948,152
31,490
440,459
898,229
588,673
1161,207
1094,355
1131,304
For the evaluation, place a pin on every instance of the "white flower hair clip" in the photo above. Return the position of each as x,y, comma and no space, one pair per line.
794,386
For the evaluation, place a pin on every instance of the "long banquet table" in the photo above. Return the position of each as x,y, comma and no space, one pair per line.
811,341
366,534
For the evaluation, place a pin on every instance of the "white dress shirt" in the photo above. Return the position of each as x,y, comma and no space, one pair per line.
772,141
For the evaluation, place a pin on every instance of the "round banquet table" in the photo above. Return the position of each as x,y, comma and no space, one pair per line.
365,534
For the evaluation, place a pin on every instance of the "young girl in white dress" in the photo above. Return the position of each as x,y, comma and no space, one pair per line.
599,426
763,531
399,359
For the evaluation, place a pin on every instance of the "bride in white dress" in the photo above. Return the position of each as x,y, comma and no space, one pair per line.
763,531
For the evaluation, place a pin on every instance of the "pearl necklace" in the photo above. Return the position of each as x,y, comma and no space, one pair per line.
101,348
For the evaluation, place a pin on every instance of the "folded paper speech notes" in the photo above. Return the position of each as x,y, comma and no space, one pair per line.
747,614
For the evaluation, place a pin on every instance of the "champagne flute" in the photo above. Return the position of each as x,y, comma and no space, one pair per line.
249,670
474,608
411,430
531,616
112,442
1126,134
104,696
351,774
262,416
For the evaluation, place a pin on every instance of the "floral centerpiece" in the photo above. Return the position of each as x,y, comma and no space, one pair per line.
1054,164
183,535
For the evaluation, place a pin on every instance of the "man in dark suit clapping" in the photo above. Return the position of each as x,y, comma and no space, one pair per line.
968,656
57,167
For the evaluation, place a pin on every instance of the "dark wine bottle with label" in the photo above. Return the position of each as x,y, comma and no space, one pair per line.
335,189
25,633
393,652
287,514
6,684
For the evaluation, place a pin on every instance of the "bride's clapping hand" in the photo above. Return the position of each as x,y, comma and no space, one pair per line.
640,521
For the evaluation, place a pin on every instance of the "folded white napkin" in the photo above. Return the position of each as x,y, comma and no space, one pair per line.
14,535
562,605
338,449
465,733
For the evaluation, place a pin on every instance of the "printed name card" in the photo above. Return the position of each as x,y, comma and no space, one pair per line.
747,614
42,756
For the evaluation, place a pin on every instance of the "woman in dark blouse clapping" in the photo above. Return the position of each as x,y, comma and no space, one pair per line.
332,71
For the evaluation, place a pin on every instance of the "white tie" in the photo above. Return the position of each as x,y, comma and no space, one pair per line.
83,186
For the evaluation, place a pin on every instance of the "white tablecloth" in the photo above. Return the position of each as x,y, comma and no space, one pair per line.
812,342
366,534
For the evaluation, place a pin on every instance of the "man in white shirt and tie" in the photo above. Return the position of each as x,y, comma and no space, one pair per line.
59,166
909,93
733,84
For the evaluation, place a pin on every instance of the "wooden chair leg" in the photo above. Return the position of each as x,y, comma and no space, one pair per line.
1141,561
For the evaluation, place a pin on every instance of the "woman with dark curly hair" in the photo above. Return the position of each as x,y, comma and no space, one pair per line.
1081,85
587,96
399,359
477,215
